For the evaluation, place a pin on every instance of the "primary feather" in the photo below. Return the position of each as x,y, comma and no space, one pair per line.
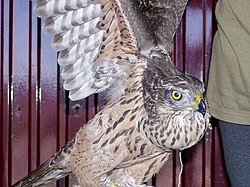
95,43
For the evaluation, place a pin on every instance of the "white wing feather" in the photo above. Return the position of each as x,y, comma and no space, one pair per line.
93,39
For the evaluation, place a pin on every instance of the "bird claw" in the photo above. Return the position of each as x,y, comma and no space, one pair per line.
132,184
106,182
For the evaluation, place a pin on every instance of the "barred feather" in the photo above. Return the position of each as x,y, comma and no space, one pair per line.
87,33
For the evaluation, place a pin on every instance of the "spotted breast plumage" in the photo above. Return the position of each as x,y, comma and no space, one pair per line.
121,46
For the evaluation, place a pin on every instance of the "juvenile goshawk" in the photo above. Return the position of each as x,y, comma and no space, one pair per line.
122,46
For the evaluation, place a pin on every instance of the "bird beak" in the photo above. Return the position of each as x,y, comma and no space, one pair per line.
201,105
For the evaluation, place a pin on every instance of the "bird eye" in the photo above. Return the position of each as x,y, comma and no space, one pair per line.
176,95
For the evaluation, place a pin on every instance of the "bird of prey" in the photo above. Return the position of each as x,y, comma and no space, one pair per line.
122,46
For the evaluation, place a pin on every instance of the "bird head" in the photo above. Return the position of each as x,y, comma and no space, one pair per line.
177,109
173,91
179,93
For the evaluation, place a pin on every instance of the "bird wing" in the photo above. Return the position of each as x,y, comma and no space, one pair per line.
154,22
93,39
98,40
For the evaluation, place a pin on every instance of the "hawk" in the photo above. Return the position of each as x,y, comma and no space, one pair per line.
122,46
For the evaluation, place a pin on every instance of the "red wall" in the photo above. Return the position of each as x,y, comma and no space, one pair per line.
37,118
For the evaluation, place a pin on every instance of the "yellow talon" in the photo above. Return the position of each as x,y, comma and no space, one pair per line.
114,185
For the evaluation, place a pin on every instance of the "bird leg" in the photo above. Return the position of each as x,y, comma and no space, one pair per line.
135,173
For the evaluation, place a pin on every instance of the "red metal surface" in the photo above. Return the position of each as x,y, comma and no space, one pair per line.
36,117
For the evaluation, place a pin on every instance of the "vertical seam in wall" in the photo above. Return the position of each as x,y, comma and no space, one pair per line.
203,77
1,87
38,88
10,94
30,90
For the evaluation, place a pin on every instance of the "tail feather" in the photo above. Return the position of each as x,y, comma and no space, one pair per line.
51,170
42,175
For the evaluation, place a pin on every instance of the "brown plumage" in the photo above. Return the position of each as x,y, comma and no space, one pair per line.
122,46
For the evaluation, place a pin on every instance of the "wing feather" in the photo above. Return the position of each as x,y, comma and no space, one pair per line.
91,36
97,39
154,22
49,8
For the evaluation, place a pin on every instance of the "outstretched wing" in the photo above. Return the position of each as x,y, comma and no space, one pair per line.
164,17
98,40
154,22
94,40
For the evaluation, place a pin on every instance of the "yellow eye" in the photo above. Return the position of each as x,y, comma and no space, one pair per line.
176,95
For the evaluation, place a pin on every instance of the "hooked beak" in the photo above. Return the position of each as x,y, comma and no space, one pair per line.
201,104
202,107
